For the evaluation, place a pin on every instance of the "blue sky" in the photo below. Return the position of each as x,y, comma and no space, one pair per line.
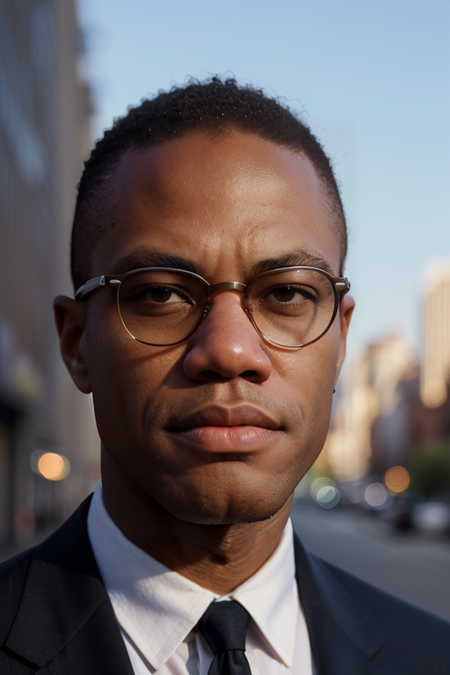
371,78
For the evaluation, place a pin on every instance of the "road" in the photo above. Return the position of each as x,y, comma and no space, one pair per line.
413,567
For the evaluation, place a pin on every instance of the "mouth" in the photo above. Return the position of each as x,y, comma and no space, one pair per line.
219,428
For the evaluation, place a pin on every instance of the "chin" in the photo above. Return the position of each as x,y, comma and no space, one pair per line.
232,519
222,493
228,512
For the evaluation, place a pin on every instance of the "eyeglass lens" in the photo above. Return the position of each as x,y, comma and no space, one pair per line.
291,307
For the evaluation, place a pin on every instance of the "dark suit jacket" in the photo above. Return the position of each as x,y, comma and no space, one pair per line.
56,617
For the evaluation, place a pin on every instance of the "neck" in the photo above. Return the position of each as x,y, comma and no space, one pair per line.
217,557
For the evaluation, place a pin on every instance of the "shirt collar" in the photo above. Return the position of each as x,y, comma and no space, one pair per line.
270,596
157,607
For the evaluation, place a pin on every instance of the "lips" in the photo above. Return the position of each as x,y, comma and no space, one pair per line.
227,416
243,428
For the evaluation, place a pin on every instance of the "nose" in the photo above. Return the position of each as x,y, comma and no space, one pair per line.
227,345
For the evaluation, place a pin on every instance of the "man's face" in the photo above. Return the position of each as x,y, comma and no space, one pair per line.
219,429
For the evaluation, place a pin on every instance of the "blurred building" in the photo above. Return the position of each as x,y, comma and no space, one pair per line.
44,113
435,371
371,428
394,377
390,405
347,450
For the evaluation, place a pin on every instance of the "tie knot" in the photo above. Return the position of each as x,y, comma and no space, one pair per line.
224,626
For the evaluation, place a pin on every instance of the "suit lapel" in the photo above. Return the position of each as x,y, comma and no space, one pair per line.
342,636
65,622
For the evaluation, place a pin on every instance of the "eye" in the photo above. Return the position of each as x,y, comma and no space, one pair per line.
155,297
287,294
161,295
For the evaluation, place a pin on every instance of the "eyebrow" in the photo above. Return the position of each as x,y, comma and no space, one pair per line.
148,258
294,259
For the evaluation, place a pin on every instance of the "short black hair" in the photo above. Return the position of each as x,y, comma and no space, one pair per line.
213,106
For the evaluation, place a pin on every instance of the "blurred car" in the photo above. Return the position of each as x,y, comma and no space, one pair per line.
433,517
400,513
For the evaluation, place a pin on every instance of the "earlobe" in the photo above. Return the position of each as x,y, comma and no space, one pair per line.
70,322
346,311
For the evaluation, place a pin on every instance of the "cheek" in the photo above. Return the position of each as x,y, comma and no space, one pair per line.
311,371
126,377
322,373
310,375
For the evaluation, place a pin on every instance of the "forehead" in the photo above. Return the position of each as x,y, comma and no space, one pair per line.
217,202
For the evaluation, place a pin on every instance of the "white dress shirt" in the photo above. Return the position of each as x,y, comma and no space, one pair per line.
157,609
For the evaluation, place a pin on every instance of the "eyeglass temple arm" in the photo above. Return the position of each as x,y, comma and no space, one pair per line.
90,286
342,285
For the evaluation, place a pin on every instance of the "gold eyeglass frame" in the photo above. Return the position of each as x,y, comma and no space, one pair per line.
340,285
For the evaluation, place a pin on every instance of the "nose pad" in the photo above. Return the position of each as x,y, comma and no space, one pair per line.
246,306
226,344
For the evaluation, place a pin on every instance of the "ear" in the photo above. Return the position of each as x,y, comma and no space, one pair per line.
70,320
345,314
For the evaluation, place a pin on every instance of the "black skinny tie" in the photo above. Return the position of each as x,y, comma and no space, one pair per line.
224,625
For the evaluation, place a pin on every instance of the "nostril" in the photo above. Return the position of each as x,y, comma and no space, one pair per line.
249,374
214,376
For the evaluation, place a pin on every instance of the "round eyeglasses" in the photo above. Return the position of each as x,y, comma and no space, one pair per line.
289,307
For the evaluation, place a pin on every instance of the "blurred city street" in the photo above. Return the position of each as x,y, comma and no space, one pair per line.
412,566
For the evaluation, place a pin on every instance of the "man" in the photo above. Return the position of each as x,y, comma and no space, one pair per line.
209,322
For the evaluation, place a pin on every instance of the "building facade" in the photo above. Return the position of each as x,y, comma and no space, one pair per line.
435,371
44,136
371,429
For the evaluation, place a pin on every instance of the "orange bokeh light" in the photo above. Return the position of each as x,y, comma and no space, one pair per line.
397,479
53,466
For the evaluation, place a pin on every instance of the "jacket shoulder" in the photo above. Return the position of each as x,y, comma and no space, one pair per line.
413,629
59,618
342,610
13,573
380,602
